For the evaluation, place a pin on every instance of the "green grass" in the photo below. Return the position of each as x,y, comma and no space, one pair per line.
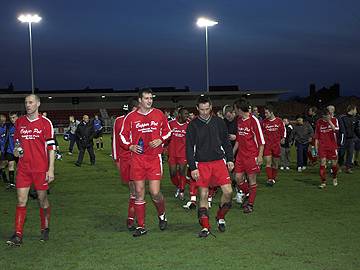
294,226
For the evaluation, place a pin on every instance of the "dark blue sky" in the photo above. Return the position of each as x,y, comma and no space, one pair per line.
260,45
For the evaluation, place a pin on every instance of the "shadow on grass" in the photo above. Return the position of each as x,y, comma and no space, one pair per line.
307,181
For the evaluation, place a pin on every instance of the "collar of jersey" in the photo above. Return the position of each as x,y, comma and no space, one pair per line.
206,121
145,113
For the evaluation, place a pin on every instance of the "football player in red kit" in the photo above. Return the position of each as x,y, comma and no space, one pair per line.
249,146
326,145
274,134
122,159
143,132
176,151
35,147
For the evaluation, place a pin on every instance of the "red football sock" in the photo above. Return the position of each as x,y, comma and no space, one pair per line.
193,188
269,172
160,206
223,210
182,182
322,173
45,217
20,217
131,207
140,213
244,187
252,194
204,217
334,171
274,173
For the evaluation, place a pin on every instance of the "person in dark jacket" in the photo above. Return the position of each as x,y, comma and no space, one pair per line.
85,133
349,122
285,147
207,146
302,134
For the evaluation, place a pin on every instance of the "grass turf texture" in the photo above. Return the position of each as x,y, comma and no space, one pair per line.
294,225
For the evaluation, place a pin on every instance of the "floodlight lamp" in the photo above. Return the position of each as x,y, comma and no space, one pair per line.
204,22
29,18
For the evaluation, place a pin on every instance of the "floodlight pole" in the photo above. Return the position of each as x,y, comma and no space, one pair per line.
207,59
31,61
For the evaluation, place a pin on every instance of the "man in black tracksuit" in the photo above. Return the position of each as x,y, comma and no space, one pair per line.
349,122
85,133
207,148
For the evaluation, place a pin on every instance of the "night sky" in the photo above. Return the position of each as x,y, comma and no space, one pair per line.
258,45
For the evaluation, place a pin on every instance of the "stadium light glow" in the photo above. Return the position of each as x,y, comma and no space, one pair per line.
29,18
50,97
103,96
204,22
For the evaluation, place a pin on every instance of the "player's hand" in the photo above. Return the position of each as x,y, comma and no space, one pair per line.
195,174
155,143
16,153
232,137
50,176
136,148
259,160
230,165
282,141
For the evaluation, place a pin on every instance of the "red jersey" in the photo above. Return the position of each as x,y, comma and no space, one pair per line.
274,130
118,152
150,126
249,137
325,134
36,138
177,143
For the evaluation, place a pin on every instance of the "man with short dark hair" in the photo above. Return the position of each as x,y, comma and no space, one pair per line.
35,147
207,149
143,132
249,146
274,134
176,151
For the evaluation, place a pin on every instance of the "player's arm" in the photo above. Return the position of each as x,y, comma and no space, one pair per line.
115,135
334,126
190,144
317,136
282,132
260,139
50,147
125,141
235,148
165,133
50,174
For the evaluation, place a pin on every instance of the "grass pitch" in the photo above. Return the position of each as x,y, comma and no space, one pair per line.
294,226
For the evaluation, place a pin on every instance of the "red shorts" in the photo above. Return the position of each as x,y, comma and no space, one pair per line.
26,179
247,165
124,169
213,174
273,150
328,153
177,160
146,167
